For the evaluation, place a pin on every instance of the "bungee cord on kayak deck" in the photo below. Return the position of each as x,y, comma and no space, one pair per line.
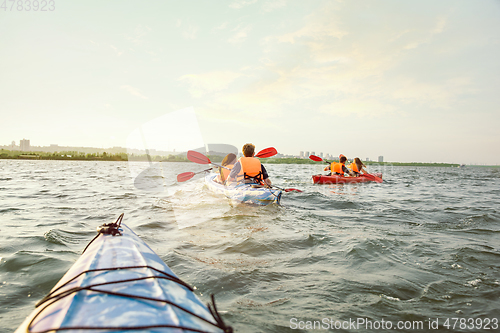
219,322
113,229
166,277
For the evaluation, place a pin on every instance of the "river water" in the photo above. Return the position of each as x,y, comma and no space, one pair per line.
422,246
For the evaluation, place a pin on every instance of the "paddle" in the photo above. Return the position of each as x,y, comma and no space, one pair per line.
372,177
267,152
287,189
188,175
318,159
199,158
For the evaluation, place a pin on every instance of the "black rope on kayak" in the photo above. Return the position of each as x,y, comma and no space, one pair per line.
217,317
219,322
279,195
113,229
111,328
108,229
166,276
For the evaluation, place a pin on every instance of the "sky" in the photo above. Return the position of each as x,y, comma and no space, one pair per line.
413,81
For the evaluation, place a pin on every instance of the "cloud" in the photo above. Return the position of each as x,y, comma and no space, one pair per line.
222,26
118,52
343,59
137,36
133,91
210,82
269,6
320,25
189,31
344,55
238,4
370,107
240,34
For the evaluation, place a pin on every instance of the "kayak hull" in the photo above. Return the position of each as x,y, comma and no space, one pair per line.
245,193
336,179
109,301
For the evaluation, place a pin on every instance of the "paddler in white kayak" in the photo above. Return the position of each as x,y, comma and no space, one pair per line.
339,168
357,167
227,162
248,169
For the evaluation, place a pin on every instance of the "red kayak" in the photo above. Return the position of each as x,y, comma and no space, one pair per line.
336,179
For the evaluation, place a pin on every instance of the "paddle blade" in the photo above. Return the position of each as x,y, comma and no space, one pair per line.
185,176
372,177
315,158
292,190
196,157
268,152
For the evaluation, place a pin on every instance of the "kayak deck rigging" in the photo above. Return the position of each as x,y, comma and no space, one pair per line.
131,293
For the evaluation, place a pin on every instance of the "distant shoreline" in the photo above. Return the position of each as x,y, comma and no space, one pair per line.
78,156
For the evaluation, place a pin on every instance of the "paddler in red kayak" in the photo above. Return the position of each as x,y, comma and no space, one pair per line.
228,162
248,169
357,167
339,168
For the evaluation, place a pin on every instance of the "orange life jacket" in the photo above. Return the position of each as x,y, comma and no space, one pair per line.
224,173
336,167
251,170
354,167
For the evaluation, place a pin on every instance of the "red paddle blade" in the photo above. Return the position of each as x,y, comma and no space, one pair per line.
292,190
315,158
374,178
268,152
196,157
185,176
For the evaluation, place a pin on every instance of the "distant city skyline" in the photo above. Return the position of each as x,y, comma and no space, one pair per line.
410,81
55,147
152,151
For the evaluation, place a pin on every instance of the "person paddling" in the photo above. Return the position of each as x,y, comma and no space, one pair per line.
228,162
248,169
357,167
339,168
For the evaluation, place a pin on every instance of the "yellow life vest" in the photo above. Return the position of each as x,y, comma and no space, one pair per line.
251,170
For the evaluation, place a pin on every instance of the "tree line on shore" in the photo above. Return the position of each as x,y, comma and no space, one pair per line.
64,155
80,156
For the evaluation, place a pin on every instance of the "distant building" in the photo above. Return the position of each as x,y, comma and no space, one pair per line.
307,154
381,158
301,154
25,145
313,153
367,159
321,155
